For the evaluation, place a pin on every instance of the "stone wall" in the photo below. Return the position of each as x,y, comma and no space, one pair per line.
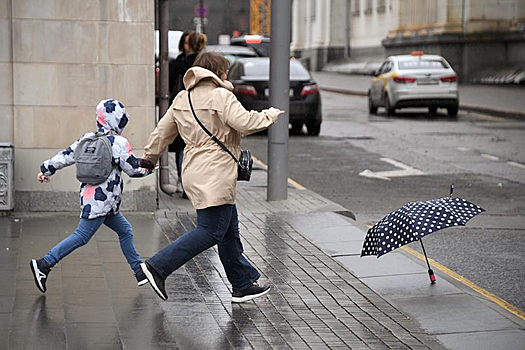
58,59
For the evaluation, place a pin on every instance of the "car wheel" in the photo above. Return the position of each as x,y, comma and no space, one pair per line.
372,109
389,109
432,111
453,111
313,128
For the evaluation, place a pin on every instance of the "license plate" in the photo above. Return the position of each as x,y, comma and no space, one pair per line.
427,81
267,92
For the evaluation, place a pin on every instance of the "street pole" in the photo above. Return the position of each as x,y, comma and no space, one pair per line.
279,98
201,3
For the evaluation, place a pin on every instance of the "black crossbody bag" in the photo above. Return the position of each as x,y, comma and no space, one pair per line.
245,161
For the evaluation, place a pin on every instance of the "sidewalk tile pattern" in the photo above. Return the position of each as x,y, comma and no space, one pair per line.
93,301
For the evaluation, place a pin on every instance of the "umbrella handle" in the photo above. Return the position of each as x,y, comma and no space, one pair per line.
432,276
451,189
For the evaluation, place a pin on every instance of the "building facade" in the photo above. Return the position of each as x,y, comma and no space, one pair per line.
327,30
474,35
477,37
220,17
57,61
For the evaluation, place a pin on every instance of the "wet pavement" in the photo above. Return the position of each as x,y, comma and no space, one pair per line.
304,247
93,302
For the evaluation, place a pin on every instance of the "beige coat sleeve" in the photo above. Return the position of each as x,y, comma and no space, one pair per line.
246,123
163,135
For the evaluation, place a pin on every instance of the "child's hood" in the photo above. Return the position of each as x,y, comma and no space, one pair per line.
111,116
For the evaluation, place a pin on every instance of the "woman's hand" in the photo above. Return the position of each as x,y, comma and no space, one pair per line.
275,113
146,164
42,178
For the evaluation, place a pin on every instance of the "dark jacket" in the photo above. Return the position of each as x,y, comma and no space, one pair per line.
179,67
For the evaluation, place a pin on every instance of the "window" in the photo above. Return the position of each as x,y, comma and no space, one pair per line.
381,6
385,67
369,7
356,7
259,69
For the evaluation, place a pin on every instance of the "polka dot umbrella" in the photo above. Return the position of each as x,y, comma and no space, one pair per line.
415,220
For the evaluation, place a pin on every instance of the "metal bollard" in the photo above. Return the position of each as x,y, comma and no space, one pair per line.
6,176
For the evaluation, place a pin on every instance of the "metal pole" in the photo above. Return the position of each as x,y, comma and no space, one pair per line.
201,2
164,91
279,98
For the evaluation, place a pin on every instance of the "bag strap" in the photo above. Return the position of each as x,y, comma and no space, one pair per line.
209,133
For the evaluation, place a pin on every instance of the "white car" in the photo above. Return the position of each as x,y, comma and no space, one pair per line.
415,80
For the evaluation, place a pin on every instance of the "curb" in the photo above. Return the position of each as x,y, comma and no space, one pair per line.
496,112
470,108
344,91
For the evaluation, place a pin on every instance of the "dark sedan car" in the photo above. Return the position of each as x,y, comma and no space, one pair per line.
250,77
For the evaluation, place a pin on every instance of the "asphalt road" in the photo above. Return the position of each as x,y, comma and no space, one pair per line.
483,156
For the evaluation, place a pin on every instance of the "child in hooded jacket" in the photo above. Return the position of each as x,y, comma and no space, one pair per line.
99,203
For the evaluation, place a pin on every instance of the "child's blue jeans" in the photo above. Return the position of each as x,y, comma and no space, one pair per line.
87,228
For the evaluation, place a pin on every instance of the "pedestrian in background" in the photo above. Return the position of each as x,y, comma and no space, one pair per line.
210,174
190,45
99,203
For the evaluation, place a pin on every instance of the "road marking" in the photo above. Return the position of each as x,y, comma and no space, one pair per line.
510,308
259,162
519,165
488,156
494,158
291,182
386,175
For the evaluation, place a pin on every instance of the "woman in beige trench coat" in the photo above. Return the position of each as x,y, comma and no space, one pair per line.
209,174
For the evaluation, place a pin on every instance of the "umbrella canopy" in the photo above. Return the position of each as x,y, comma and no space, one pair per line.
415,220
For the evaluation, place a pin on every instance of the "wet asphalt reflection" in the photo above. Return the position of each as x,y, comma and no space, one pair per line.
93,302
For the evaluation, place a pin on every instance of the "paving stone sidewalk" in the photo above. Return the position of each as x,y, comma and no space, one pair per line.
93,302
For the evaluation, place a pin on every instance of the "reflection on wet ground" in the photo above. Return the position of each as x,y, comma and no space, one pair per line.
93,301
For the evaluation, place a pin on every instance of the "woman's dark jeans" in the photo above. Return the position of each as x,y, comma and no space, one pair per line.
215,225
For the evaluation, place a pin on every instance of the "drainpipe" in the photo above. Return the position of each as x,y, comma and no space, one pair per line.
164,97
347,28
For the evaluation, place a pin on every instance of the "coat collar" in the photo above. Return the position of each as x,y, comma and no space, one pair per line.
194,75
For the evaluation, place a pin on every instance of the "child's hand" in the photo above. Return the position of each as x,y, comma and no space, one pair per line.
42,178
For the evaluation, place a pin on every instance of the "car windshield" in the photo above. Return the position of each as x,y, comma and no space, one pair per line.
260,69
239,51
263,48
423,64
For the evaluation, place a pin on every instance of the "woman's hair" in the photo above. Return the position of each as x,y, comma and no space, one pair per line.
182,41
196,41
214,62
